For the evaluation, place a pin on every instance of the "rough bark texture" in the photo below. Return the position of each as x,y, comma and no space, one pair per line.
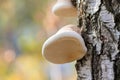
102,38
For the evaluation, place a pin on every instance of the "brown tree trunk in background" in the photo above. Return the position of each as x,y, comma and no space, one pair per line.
102,38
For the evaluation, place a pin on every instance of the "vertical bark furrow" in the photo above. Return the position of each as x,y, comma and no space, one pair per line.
117,21
117,67
119,44
108,4
116,6
96,69
118,1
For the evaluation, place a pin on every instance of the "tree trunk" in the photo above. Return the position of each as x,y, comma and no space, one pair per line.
102,38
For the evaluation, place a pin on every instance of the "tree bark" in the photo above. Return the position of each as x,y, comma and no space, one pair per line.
102,38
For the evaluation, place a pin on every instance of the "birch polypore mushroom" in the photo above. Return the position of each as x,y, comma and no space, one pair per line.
64,8
65,46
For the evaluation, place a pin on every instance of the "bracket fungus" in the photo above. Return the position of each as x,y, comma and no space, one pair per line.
64,8
65,46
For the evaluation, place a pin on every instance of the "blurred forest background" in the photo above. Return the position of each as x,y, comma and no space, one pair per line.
24,26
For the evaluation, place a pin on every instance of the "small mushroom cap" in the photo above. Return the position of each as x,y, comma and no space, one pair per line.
64,9
65,46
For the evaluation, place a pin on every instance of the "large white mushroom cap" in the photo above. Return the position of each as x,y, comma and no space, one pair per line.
64,8
65,46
